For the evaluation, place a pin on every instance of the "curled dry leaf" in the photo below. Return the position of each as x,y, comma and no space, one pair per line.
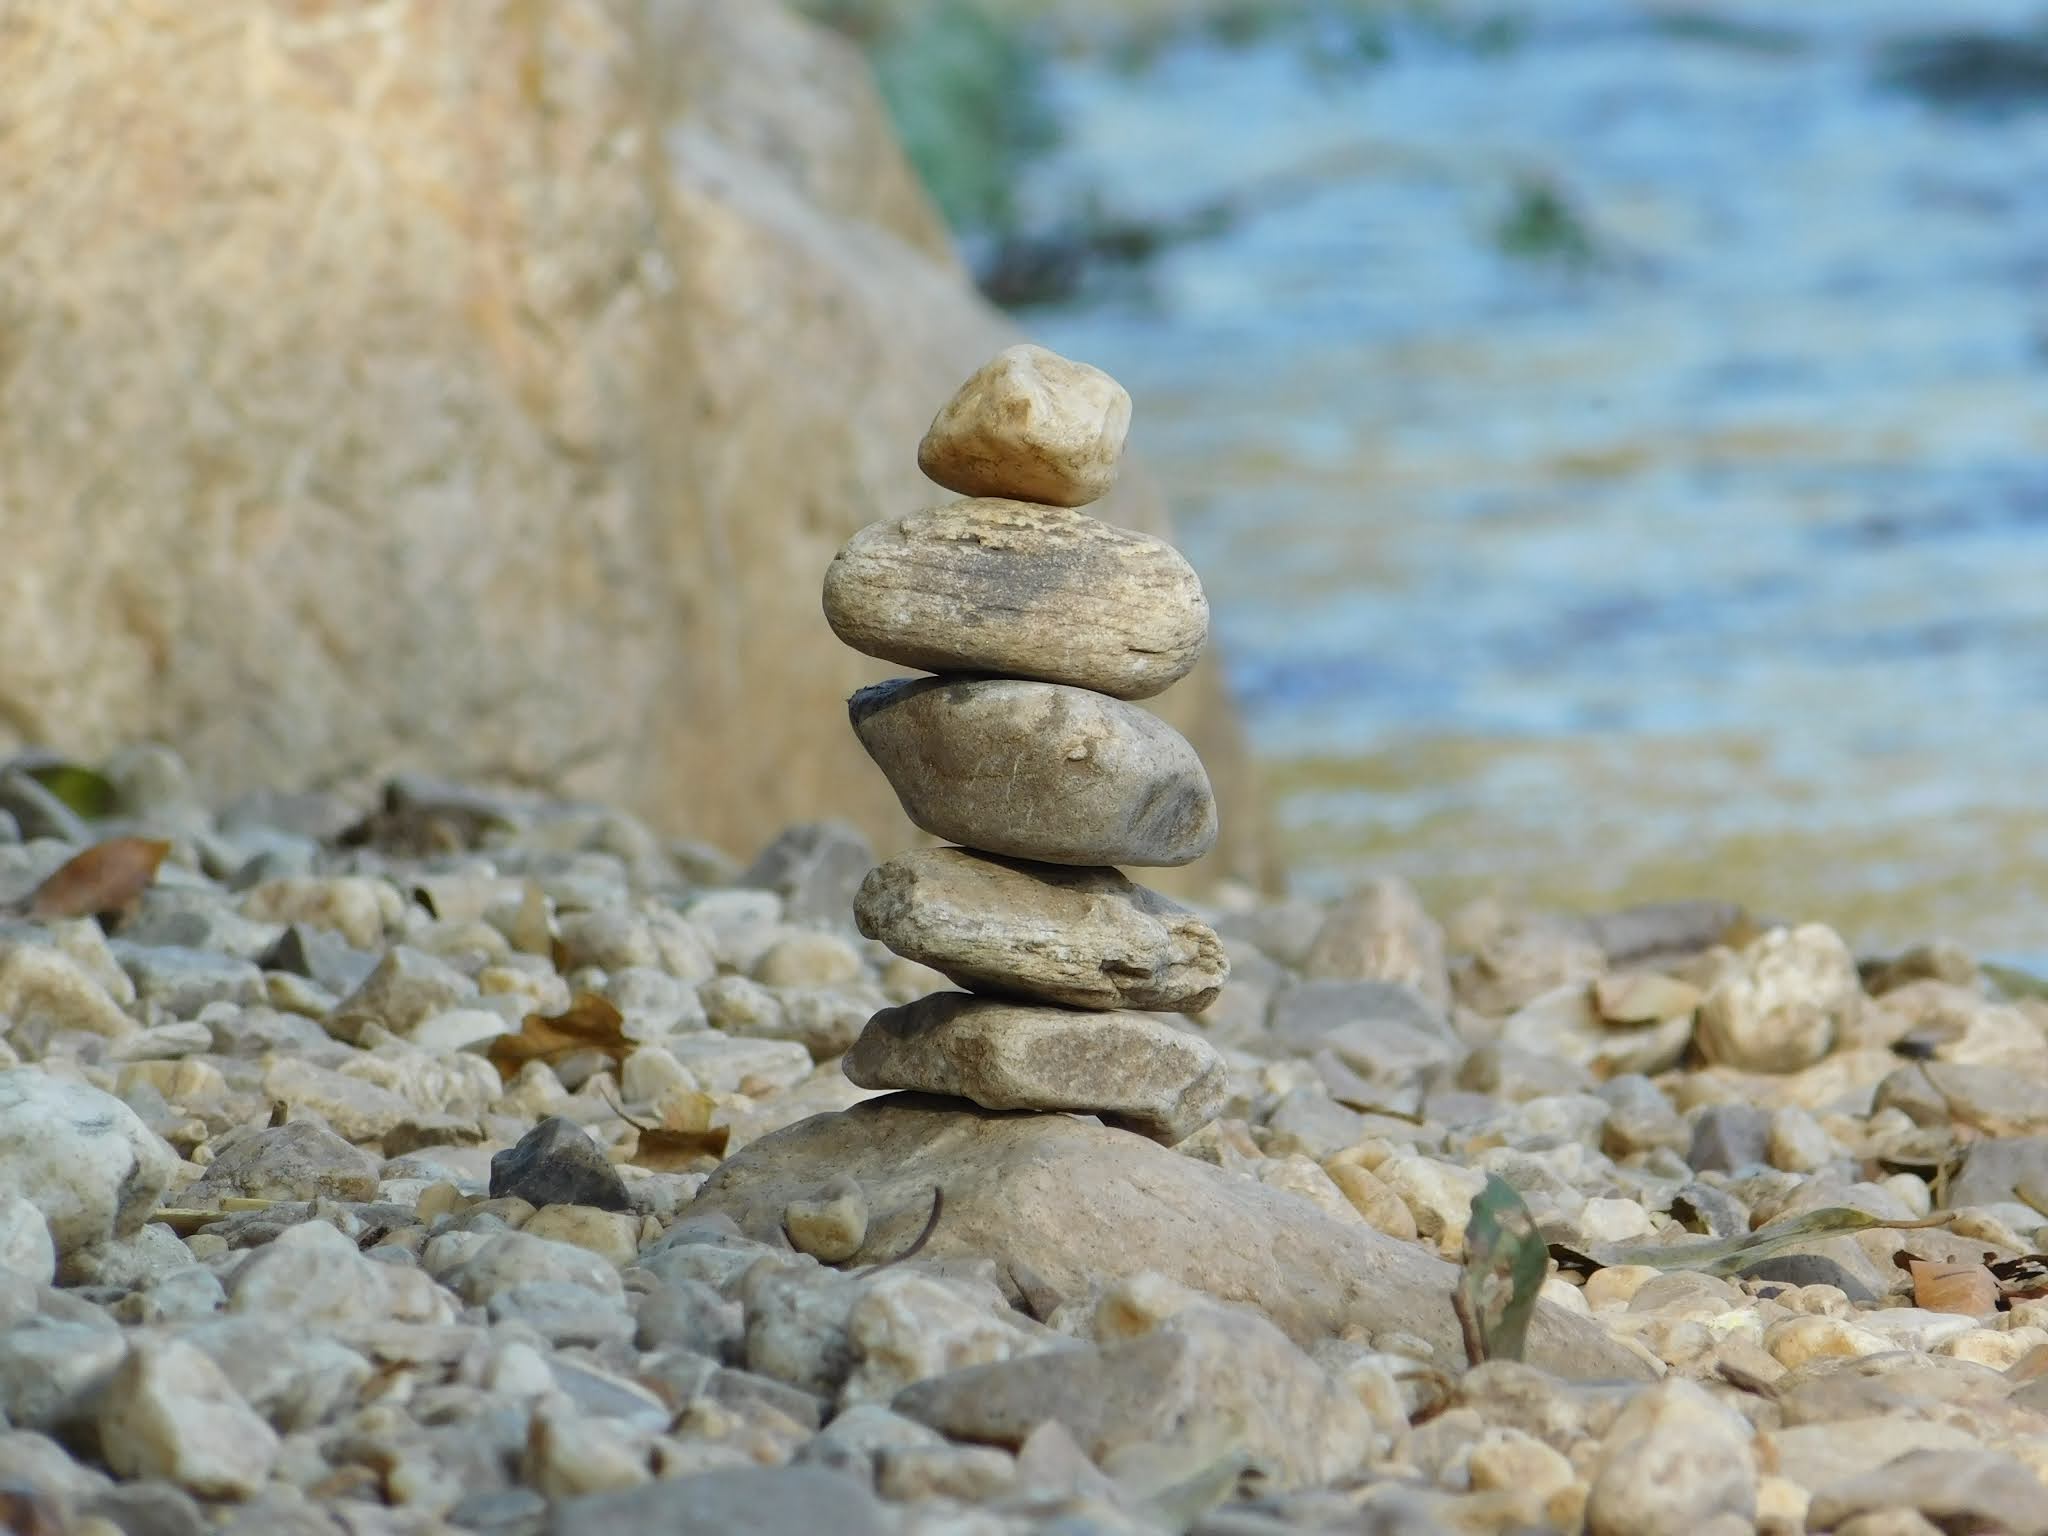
589,1023
1969,1289
1642,997
684,1138
107,877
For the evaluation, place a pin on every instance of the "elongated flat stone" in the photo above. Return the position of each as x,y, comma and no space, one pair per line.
1038,771
1033,425
1087,938
1019,590
1130,1070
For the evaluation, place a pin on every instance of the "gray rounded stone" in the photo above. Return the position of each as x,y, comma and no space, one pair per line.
1086,938
81,1157
1020,590
556,1163
1132,1071
1038,770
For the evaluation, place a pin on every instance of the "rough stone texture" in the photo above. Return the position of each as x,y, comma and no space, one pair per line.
170,1412
556,1163
1033,425
1136,1072
80,1156
1783,1004
1959,1490
1381,932
1018,590
1674,1461
567,284
1060,1205
1998,1170
1205,1378
25,1246
301,1161
1087,938
1038,771
771,1501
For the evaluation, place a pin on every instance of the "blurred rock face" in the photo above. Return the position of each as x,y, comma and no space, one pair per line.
479,388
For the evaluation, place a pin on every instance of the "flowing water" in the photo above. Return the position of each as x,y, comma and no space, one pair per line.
1616,447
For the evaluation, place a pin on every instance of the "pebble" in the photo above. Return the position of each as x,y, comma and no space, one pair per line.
830,1225
304,1161
1673,1462
26,1248
1952,1489
1086,938
170,1412
1381,932
1038,771
79,1156
1001,1055
1033,425
1782,1003
1012,589
556,1163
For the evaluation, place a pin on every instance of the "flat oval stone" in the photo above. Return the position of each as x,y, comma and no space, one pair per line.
1038,770
1086,938
1033,425
1019,590
1130,1070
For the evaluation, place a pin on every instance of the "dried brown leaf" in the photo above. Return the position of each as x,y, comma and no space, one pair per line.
107,877
661,1150
1968,1289
684,1138
589,1023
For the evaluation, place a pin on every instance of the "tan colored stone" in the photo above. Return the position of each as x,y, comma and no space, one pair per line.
1087,938
1783,1004
1033,425
607,322
1019,590
170,1412
1063,1207
1131,1071
1038,771
1382,932
832,1224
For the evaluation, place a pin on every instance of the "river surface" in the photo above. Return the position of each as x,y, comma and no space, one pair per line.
1617,454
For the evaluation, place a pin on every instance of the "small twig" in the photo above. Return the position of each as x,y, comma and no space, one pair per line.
1747,1381
637,1125
1447,1394
931,1225
1468,1325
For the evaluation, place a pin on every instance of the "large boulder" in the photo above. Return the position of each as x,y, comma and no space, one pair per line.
1064,1206
480,388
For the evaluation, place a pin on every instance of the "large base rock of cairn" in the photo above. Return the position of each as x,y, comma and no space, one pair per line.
1041,623
1064,1207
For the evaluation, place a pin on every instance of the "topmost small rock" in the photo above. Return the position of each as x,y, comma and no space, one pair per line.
1030,426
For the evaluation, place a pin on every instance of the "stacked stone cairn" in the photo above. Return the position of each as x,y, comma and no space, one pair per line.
1041,623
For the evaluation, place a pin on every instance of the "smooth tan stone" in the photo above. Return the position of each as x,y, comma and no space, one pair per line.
1018,590
1038,771
1086,938
1783,1003
1134,1072
1033,425
1063,1208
